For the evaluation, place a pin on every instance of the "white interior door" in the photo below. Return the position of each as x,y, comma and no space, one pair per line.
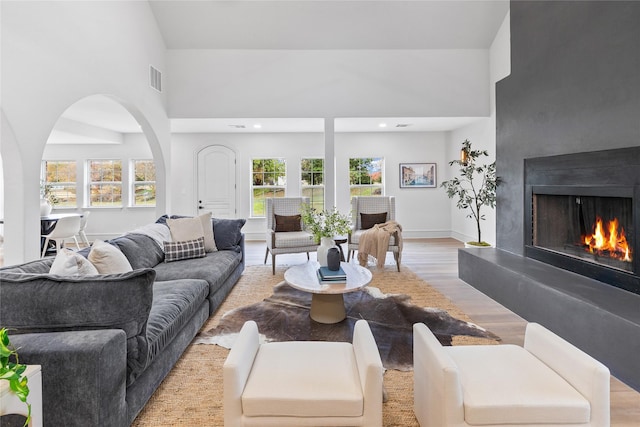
217,181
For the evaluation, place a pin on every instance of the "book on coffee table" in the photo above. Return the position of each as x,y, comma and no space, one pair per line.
329,276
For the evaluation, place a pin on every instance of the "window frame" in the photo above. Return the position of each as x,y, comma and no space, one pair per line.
273,188
315,204
133,183
361,186
90,183
74,184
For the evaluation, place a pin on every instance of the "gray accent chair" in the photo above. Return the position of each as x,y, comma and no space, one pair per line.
372,205
286,242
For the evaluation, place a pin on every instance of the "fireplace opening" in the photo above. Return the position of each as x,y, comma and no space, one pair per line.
582,214
594,229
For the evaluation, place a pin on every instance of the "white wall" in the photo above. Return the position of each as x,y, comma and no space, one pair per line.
328,83
106,223
482,135
53,54
422,212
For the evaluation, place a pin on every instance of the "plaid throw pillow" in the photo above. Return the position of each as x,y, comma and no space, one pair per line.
175,251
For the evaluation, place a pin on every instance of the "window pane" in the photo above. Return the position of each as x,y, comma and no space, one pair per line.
365,176
64,196
268,180
145,194
60,183
106,195
105,188
144,170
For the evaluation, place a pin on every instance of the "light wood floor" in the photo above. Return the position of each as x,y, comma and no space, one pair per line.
436,262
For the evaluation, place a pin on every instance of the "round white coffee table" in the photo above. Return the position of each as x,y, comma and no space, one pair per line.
327,301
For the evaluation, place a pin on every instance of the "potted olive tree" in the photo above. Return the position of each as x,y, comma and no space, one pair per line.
475,186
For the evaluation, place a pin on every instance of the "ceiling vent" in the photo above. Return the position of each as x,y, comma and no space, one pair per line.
155,78
403,125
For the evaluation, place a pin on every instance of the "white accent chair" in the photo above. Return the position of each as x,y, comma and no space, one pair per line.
303,383
548,382
65,228
372,205
286,242
83,226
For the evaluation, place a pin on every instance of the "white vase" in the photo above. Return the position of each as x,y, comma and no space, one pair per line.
45,207
326,243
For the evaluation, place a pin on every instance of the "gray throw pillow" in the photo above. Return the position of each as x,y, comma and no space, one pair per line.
228,233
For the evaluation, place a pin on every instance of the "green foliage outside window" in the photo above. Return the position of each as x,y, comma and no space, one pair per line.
60,183
365,176
144,185
105,189
312,181
269,179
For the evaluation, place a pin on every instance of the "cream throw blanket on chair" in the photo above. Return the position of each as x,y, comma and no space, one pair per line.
375,242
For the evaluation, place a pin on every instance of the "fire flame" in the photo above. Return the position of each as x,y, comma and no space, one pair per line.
608,240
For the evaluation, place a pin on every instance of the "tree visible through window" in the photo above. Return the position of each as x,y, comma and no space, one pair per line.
60,183
312,181
269,179
105,183
365,176
144,183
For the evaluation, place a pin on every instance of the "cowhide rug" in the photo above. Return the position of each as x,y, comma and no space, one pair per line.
284,316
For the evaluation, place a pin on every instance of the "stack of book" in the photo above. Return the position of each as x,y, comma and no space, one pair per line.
330,276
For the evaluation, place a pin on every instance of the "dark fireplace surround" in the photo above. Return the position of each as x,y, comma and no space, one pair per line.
563,197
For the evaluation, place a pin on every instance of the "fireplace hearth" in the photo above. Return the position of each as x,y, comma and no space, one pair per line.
583,214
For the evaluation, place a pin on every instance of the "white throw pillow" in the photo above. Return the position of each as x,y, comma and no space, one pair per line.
69,263
108,259
184,229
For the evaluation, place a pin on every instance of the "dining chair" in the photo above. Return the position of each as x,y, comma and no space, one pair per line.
83,226
65,228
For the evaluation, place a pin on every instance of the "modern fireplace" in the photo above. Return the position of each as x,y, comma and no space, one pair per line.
583,214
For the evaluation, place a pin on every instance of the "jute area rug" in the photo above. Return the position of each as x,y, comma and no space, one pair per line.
192,393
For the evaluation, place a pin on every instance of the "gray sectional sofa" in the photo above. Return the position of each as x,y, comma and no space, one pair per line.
106,342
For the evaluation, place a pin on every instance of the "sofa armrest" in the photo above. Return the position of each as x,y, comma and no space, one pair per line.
438,396
236,370
587,375
370,370
83,375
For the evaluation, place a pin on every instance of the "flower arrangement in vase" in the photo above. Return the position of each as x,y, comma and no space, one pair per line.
325,225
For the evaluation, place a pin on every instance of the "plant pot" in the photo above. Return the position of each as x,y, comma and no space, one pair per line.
45,207
326,243
481,245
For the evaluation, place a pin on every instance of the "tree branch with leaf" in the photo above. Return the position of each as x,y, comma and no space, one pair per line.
475,186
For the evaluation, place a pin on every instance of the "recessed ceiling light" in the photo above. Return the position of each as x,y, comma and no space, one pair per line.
257,126
382,125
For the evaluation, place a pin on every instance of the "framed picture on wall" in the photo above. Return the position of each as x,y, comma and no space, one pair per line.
418,175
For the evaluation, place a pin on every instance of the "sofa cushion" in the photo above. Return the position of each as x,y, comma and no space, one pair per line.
174,304
36,302
228,233
176,251
215,268
367,221
108,259
355,237
140,249
286,223
282,372
69,263
294,239
505,384
158,232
